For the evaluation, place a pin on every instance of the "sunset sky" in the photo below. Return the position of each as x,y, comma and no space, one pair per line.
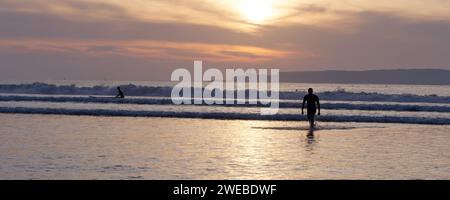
146,40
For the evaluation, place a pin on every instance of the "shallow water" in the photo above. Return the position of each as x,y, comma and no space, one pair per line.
83,147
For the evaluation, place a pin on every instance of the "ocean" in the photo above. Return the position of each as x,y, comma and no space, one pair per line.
76,130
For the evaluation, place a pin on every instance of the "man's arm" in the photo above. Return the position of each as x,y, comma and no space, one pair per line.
318,106
303,104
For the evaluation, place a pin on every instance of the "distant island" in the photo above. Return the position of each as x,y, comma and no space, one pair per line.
395,76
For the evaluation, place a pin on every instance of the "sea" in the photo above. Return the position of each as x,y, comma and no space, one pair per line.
77,130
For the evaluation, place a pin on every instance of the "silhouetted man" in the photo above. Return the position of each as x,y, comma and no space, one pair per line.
120,93
311,100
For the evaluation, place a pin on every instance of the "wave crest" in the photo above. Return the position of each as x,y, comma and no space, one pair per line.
162,91
221,115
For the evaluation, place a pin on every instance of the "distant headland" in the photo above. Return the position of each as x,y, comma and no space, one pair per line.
394,76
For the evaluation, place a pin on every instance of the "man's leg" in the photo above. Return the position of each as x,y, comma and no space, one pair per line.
310,119
311,113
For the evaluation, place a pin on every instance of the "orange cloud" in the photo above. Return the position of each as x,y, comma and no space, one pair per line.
149,49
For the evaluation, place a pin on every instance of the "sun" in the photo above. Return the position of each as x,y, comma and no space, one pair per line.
256,11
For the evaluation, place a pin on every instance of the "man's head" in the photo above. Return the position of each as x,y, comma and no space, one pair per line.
118,88
310,91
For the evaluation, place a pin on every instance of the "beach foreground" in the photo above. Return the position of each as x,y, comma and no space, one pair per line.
86,147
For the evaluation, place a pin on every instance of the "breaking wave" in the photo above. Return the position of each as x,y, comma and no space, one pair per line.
64,95
161,91
222,115
282,104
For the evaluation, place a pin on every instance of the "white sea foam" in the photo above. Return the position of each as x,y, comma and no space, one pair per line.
163,91
96,101
283,104
225,115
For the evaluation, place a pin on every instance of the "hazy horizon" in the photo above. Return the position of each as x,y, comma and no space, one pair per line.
419,76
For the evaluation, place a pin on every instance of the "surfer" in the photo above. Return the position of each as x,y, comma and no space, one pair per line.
120,93
311,100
